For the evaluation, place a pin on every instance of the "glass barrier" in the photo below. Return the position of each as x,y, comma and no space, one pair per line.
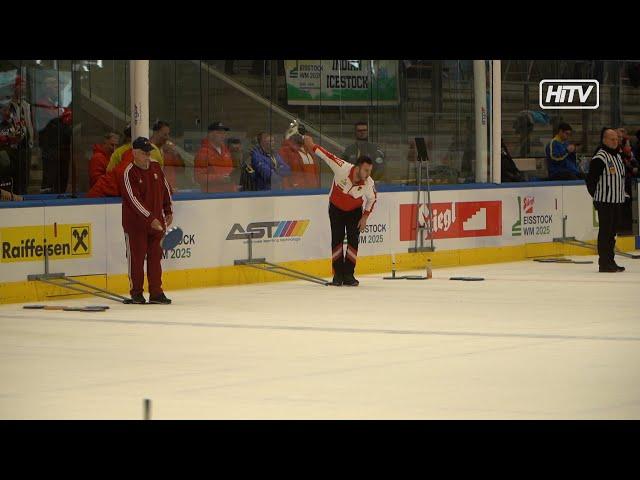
528,130
225,125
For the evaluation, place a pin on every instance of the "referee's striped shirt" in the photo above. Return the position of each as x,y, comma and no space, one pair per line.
605,180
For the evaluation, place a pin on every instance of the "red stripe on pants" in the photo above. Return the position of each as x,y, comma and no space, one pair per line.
352,254
141,244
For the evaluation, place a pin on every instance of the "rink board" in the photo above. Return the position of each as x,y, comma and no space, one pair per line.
470,226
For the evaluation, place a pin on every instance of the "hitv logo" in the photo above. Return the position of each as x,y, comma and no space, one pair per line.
569,94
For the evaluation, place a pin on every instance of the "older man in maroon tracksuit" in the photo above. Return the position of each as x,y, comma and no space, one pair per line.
146,212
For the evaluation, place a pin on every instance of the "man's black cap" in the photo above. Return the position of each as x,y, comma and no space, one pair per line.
143,144
218,126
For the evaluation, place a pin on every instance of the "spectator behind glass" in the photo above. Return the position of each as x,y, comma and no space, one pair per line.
237,156
631,174
636,147
54,122
16,137
101,155
509,171
362,146
561,156
524,124
213,163
623,138
6,191
173,164
269,167
304,169
118,155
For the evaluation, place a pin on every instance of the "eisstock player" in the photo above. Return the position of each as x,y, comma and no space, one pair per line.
352,185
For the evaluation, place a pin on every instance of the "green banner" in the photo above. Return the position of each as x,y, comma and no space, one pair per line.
342,82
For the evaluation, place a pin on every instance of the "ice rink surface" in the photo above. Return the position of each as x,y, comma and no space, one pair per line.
532,341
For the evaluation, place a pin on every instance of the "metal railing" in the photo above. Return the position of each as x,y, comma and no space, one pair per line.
267,103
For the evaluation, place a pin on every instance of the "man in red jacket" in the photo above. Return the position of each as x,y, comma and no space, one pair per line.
146,212
213,163
101,154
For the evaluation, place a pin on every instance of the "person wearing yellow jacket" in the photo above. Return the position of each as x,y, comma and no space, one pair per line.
116,156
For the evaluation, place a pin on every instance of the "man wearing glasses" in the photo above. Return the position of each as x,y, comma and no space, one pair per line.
364,147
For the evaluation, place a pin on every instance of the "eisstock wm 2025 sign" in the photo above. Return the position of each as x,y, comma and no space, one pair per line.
59,241
532,221
342,82
453,219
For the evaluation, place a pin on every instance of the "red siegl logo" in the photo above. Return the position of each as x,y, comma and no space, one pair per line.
453,220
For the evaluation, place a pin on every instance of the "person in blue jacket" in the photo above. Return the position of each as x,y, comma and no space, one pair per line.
268,164
562,163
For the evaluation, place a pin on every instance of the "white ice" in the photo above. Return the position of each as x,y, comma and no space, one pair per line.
532,341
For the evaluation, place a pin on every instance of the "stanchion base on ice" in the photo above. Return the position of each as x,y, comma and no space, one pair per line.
394,277
264,265
579,243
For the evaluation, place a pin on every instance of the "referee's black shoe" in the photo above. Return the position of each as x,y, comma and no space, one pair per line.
610,269
337,281
619,268
138,299
160,299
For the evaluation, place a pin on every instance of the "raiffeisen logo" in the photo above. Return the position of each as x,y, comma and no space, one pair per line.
285,229
57,241
569,94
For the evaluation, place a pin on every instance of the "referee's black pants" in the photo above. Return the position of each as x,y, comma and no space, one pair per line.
608,218
341,221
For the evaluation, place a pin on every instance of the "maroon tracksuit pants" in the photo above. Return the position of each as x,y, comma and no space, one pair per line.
143,244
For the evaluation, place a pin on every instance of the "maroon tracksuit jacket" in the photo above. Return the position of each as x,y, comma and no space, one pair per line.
146,196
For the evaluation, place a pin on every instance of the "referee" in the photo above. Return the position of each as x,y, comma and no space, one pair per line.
605,182
352,184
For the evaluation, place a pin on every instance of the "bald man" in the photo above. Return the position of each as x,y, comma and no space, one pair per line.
605,182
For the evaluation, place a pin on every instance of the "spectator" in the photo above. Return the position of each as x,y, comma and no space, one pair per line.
636,148
623,138
243,173
166,150
561,156
16,136
269,167
524,124
54,135
108,185
101,155
631,174
362,146
509,171
304,170
6,195
6,191
116,156
237,157
213,163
